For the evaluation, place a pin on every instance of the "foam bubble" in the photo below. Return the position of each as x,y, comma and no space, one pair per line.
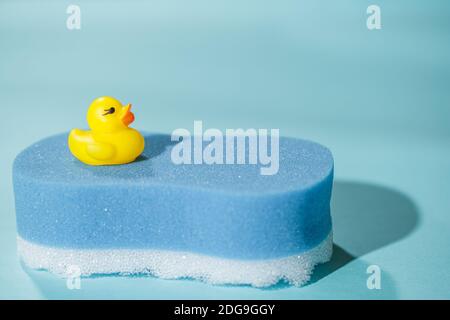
295,270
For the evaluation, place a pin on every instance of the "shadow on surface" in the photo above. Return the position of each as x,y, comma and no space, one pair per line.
340,258
366,217
155,144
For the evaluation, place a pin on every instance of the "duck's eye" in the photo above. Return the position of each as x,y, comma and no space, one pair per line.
109,111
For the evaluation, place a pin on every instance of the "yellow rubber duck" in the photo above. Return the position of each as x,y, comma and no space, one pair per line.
110,141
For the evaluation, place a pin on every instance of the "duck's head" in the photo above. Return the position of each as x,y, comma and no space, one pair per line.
107,114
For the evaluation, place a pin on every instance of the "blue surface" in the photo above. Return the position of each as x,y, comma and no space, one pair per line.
228,210
378,99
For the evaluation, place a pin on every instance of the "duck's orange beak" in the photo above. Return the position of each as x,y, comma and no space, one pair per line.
127,116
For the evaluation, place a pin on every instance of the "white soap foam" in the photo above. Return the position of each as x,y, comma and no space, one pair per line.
296,269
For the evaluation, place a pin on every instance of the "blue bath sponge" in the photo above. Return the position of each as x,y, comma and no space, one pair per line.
218,223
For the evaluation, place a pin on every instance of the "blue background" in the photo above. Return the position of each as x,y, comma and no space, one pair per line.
380,100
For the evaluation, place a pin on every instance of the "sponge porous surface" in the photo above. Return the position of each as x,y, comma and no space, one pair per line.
225,211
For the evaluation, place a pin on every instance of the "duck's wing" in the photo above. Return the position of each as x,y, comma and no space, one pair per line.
80,136
100,150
